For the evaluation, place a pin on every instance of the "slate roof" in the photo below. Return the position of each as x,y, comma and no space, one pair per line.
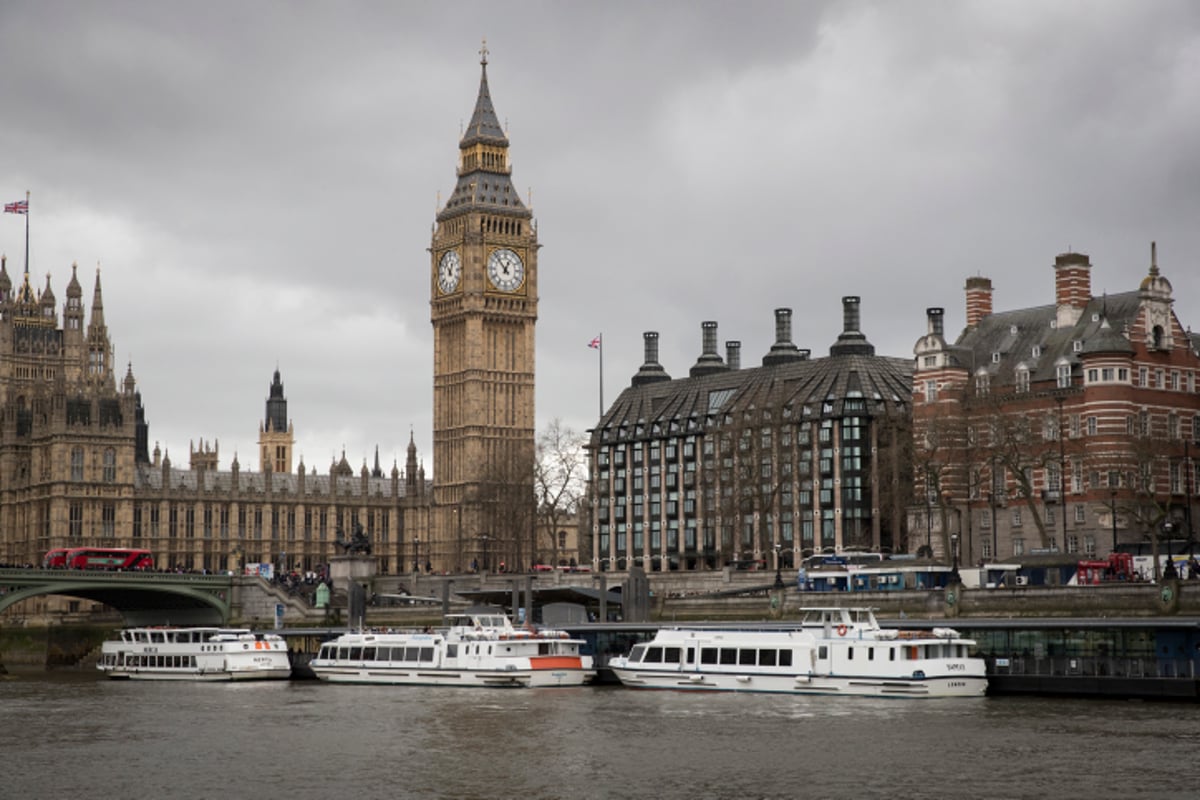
1013,335
822,385
483,188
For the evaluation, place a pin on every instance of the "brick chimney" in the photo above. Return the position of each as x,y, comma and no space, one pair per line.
1072,287
979,299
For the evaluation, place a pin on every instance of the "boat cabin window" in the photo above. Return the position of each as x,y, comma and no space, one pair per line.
823,651
368,654
451,651
849,653
636,654
870,654
766,658
785,658
653,655
748,657
708,655
728,655
671,655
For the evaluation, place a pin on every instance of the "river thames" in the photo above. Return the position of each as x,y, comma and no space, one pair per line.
73,735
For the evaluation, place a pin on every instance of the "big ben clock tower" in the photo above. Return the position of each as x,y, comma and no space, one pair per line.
483,306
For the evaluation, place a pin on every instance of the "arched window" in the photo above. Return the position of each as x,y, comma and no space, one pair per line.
77,463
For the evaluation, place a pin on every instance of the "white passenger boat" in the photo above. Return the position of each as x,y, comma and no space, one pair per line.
474,649
840,651
195,654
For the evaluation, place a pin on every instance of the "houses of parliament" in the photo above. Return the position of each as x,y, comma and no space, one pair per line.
75,463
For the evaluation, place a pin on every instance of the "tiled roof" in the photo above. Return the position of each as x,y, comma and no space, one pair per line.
822,384
1002,341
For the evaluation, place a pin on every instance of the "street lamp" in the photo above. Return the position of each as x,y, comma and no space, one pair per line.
1062,478
995,527
954,577
416,554
1112,500
778,574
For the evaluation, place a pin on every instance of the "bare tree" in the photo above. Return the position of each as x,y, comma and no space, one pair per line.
559,481
508,519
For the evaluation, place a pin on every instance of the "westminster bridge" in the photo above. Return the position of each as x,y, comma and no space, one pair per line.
155,598
162,598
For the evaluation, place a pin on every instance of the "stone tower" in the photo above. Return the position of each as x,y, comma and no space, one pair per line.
275,435
483,306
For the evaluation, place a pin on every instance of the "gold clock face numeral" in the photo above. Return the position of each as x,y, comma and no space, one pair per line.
505,270
449,271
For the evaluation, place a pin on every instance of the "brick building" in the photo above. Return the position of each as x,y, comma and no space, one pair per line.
1064,427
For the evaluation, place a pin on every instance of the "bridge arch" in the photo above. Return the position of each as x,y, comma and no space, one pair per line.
141,598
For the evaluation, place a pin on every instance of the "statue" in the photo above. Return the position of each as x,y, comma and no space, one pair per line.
357,544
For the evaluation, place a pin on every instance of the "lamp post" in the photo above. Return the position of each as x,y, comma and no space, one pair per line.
995,526
954,576
417,554
483,546
1062,478
778,575
928,513
1112,501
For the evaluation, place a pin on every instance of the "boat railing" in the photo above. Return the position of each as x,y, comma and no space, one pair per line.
1093,667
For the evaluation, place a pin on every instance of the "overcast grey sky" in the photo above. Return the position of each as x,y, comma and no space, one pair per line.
258,181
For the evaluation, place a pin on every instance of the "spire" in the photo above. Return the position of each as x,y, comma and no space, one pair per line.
484,126
97,304
377,472
73,287
276,419
484,172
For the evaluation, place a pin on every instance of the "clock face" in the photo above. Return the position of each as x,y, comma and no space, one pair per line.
449,271
505,270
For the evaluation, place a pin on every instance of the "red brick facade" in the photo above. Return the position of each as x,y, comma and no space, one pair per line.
1068,427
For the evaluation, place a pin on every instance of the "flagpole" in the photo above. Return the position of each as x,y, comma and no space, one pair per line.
601,348
26,231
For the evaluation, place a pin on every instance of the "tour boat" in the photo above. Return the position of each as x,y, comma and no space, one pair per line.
473,649
195,654
839,651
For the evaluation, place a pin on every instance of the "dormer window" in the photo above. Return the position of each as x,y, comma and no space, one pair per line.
1062,373
996,357
1022,378
1013,330
983,382
1037,351
1077,346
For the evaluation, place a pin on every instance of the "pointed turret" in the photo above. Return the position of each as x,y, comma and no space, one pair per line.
410,464
5,281
97,322
98,347
46,300
276,439
484,172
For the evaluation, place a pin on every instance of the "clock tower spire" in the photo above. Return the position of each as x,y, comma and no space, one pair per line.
483,306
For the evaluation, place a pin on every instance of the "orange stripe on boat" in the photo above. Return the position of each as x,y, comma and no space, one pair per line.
556,662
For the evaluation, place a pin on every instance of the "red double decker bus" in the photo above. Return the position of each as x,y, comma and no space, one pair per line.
98,558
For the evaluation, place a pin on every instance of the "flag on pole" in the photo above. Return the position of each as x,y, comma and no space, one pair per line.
594,343
19,207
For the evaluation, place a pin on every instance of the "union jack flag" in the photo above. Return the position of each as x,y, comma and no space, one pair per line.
594,343
19,207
